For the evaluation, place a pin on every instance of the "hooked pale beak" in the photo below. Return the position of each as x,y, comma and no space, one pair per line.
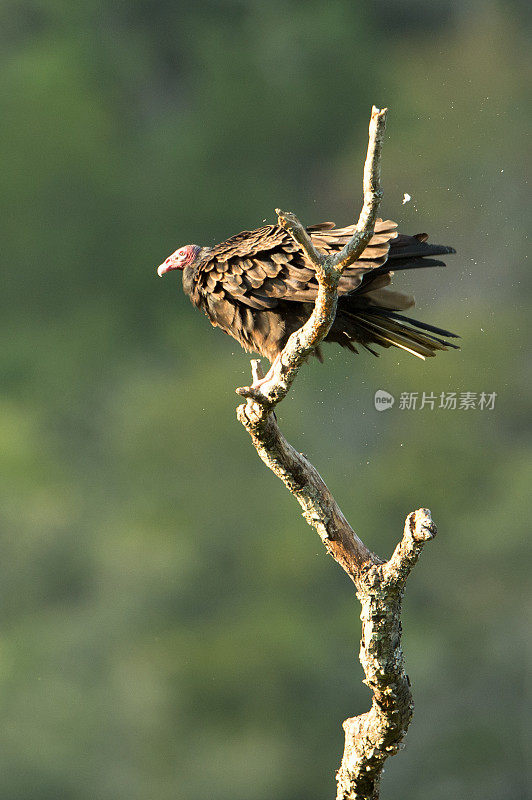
166,266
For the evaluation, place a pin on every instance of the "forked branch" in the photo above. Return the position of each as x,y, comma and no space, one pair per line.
371,737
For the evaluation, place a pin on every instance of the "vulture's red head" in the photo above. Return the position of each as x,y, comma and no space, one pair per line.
180,259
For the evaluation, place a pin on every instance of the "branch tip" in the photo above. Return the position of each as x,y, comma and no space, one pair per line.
422,527
256,370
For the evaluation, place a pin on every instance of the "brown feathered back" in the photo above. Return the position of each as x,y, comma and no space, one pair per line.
259,287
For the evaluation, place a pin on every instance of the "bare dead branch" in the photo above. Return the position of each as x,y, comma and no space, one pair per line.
293,226
308,487
372,192
371,737
277,382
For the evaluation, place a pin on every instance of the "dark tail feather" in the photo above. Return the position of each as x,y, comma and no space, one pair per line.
371,326
360,323
420,249
423,325
404,246
412,252
410,263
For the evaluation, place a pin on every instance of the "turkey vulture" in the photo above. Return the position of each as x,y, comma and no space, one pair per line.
259,288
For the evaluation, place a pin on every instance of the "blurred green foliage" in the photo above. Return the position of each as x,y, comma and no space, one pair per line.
170,628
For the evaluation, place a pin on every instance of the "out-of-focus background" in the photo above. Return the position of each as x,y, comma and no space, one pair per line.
169,625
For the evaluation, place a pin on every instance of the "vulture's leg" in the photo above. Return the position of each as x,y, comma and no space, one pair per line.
258,375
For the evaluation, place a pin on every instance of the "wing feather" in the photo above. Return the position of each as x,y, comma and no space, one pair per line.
261,266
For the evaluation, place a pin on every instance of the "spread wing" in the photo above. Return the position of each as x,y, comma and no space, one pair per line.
262,267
